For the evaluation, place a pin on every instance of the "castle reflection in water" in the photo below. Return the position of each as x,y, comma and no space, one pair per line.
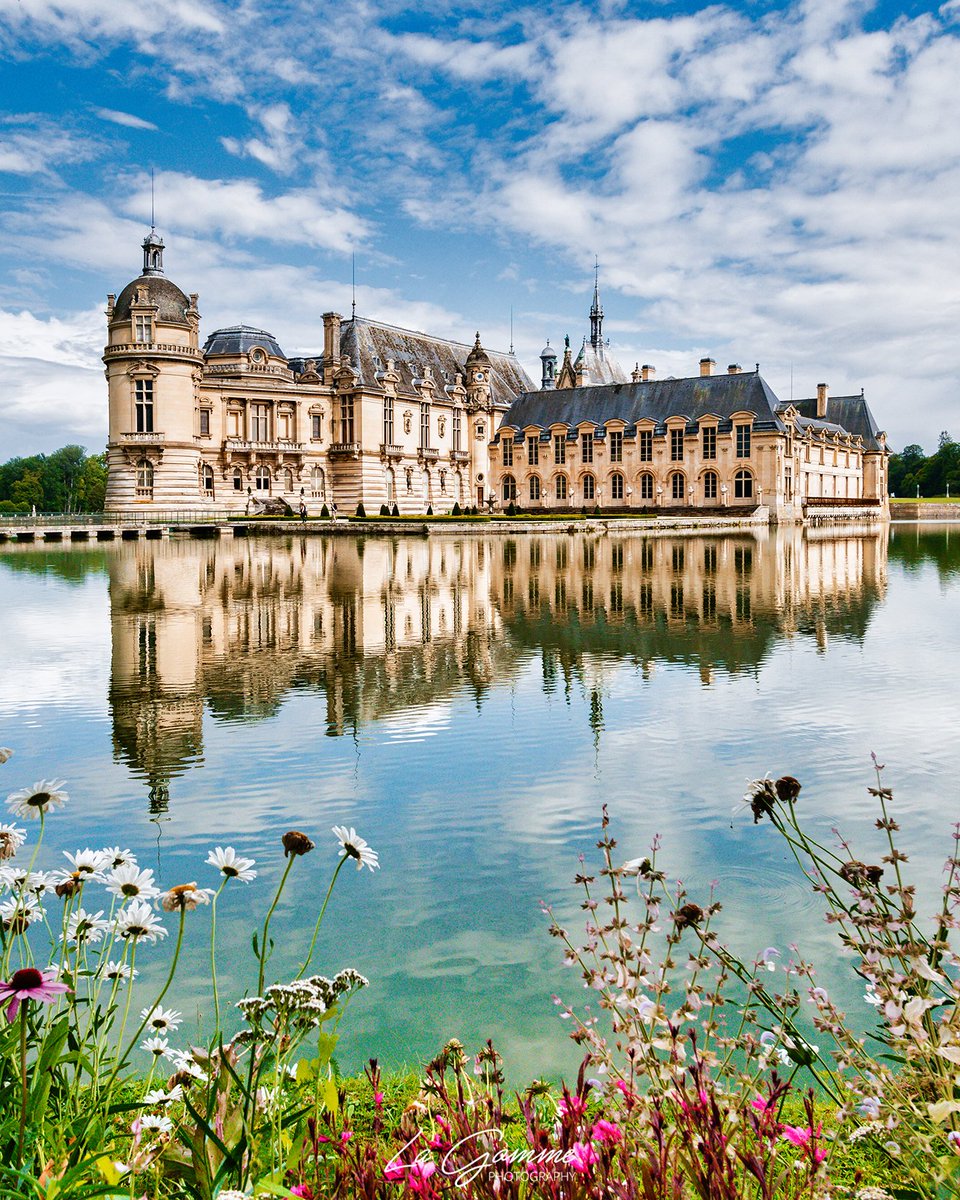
379,625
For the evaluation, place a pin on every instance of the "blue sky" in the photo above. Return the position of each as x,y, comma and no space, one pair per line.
762,182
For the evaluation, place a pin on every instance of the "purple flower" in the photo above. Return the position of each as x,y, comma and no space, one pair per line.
30,984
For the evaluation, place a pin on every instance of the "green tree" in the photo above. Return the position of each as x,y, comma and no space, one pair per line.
28,490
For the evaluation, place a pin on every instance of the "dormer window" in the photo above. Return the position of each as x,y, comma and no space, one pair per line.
143,328
257,357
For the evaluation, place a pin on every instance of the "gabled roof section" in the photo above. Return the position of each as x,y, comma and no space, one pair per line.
599,366
371,344
700,396
851,413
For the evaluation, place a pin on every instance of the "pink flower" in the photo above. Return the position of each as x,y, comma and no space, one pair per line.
582,1157
418,1175
30,984
302,1189
760,1104
346,1136
393,1170
625,1090
799,1135
572,1106
378,1099
606,1131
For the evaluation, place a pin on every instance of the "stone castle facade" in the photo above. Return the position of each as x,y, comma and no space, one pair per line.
389,416
380,415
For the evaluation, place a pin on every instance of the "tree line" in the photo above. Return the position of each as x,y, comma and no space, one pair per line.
67,481
936,474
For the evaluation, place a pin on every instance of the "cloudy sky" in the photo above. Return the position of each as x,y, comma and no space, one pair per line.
762,181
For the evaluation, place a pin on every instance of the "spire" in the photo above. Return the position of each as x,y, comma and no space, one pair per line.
596,312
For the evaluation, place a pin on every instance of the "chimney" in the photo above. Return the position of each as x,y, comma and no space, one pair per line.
734,369
821,400
706,366
648,373
635,374
331,344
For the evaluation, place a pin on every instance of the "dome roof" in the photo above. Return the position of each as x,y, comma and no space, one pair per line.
239,339
477,354
548,351
156,289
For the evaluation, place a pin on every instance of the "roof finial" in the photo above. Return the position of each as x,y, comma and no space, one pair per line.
353,304
153,217
596,312
511,328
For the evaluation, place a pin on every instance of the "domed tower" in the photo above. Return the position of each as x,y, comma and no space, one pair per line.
154,364
548,357
480,421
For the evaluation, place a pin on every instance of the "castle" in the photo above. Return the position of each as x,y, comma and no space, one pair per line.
389,416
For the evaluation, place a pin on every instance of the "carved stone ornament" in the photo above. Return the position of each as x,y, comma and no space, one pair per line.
481,431
441,425
143,368
407,420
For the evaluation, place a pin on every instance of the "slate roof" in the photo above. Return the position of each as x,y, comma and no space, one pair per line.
239,339
599,366
851,413
369,344
657,400
157,289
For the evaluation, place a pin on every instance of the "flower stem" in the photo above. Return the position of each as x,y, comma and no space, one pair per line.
316,928
266,926
23,1083
213,958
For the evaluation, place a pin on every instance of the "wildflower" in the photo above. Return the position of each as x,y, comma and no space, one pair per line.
18,913
787,788
185,897
688,916
161,1096
117,857
759,796
582,1156
5,754
87,862
418,1174
152,1123
769,956
157,1046
163,1020
22,880
128,882
869,1108
86,927
30,984
41,798
69,885
296,843
606,1132
353,846
138,920
11,839
230,864
857,874
571,1106
118,970
802,1137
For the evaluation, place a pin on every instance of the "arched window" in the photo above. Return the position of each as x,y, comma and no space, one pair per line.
316,481
743,485
646,486
677,485
237,479
589,487
509,489
391,486
710,485
561,487
206,479
616,486
262,479
288,480
145,478
534,488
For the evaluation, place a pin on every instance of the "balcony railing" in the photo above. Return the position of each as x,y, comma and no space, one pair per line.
344,448
389,450
243,446
153,348
429,453
459,456
142,439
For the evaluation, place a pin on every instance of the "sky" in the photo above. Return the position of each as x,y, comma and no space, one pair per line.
761,182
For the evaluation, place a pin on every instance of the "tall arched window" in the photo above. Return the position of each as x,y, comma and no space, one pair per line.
677,485
616,486
743,485
206,479
646,486
237,479
561,487
509,489
288,480
316,481
589,487
145,479
710,485
262,479
534,489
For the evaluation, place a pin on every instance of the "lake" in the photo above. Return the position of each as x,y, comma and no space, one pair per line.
469,703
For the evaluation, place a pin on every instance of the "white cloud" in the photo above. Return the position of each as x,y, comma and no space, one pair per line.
32,144
124,118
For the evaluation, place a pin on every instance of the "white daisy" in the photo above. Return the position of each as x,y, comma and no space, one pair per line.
118,970
19,912
11,839
159,1096
353,846
138,920
19,879
85,928
162,1020
152,1123
118,857
41,798
185,897
157,1046
129,882
229,863
88,862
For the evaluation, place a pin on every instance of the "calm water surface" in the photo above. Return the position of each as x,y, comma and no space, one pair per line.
469,705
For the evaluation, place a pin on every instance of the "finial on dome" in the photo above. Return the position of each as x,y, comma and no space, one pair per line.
153,253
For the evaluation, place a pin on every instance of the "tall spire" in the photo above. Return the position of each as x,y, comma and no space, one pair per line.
152,243
596,312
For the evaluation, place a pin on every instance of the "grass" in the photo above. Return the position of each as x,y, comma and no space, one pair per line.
925,500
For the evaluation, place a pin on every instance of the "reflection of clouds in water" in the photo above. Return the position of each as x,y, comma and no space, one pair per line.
418,723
